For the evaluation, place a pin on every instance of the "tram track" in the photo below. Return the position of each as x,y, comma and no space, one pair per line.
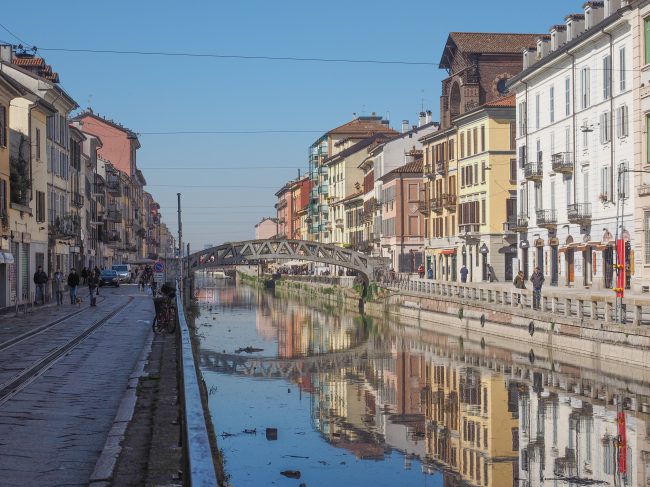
37,331
18,382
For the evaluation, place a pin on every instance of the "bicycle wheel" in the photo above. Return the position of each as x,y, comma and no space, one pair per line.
157,326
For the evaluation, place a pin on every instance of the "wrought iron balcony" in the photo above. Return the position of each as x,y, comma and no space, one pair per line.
98,189
579,213
510,226
77,200
521,223
533,171
114,215
562,162
423,208
546,218
469,228
449,201
428,171
114,187
64,226
437,205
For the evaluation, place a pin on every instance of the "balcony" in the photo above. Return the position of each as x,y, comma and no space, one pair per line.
546,218
77,200
423,208
114,187
323,189
114,215
644,190
562,163
449,201
519,225
281,204
428,171
437,205
64,226
466,228
579,213
112,237
533,171
98,189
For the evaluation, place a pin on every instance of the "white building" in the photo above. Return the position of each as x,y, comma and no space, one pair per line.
574,137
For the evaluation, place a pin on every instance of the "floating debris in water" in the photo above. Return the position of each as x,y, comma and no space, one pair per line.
292,474
251,432
249,350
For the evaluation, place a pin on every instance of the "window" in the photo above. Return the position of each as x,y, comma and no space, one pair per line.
605,128
568,183
469,142
513,171
513,136
3,198
553,195
522,156
647,137
482,138
451,149
646,28
539,151
38,144
552,138
604,183
476,173
3,126
521,117
537,111
621,69
462,178
646,235
483,212
567,96
462,145
623,180
482,171
584,87
551,96
585,187
538,196
40,206
622,125
585,135
607,77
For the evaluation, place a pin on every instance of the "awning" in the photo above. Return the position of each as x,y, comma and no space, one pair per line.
6,258
448,252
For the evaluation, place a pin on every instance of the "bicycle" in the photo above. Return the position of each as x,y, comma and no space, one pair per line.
165,319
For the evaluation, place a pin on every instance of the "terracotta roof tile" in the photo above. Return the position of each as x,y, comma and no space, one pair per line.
486,43
414,167
28,61
361,125
505,101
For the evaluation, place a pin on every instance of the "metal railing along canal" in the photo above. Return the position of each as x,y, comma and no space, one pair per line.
198,454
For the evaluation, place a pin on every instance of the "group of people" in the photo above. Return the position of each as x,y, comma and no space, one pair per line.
74,280
144,277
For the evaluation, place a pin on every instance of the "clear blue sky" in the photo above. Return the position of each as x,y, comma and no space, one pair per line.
149,94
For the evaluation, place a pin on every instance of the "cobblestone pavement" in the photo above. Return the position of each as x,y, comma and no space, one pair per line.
53,431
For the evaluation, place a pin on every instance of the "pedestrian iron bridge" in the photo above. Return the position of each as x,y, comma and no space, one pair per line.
237,253
268,367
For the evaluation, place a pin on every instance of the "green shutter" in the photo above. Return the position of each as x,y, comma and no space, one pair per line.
647,137
646,29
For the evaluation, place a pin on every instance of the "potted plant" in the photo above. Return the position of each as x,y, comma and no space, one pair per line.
603,198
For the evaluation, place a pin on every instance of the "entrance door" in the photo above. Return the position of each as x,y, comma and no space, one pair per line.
485,267
524,262
608,262
508,263
554,266
569,266
540,258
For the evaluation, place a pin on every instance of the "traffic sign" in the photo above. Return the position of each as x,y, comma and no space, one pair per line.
159,266
159,277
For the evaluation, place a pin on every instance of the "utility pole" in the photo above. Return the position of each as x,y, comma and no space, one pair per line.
180,240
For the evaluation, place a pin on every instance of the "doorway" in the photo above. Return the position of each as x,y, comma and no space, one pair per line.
608,263
509,275
554,265
540,258
570,256
524,262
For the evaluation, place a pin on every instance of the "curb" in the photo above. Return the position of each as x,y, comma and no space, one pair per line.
103,471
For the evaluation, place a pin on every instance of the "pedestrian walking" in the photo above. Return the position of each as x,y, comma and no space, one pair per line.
58,286
492,276
40,279
519,283
73,282
463,273
430,273
84,276
421,271
537,278
93,285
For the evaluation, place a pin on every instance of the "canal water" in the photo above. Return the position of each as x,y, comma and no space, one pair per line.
307,394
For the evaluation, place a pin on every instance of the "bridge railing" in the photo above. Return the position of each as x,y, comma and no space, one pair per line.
197,456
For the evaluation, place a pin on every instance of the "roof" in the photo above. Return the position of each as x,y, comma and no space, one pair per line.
414,167
17,88
353,196
485,43
37,66
504,101
362,125
89,113
362,144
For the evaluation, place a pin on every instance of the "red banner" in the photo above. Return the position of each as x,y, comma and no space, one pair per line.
622,444
620,268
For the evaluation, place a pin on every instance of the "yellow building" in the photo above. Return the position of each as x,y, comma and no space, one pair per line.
487,173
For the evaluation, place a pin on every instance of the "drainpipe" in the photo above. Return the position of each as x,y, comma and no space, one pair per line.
573,123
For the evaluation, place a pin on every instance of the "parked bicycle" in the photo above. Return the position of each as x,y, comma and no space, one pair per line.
164,303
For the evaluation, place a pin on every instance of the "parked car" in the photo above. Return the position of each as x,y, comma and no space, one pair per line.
123,272
109,277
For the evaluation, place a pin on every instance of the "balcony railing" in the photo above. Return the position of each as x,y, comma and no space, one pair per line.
579,213
437,205
562,162
98,189
428,171
546,218
64,226
114,187
77,200
521,223
469,228
533,171
114,215
449,201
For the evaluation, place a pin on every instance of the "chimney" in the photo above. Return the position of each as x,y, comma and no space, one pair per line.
594,12
429,116
529,57
558,36
543,46
422,120
575,25
405,126
611,6
6,53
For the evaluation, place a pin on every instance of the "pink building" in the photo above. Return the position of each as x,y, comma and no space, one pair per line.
284,208
402,232
267,228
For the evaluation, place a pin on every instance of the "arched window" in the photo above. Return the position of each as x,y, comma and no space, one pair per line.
454,100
